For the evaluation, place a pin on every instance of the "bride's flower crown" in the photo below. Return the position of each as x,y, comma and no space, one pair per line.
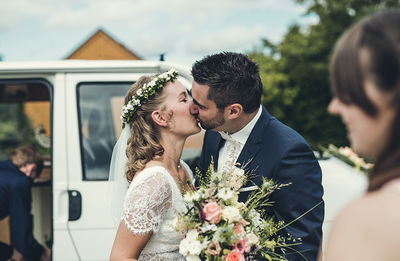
147,92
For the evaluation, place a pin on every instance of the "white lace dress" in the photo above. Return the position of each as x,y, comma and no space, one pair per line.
149,205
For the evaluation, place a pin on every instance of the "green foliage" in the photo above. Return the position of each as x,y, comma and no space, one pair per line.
295,72
205,179
15,128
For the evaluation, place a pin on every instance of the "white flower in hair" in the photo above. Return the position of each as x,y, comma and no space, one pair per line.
147,92
129,106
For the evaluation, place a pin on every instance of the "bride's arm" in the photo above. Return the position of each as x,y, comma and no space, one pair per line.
128,246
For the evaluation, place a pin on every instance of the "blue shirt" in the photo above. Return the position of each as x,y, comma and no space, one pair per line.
15,202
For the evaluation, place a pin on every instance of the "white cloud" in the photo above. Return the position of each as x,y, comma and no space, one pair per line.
231,38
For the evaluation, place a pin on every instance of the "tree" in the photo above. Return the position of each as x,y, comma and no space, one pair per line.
296,84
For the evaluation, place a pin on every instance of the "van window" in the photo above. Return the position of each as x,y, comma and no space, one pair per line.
99,106
24,115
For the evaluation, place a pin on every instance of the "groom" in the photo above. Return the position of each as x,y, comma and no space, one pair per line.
226,93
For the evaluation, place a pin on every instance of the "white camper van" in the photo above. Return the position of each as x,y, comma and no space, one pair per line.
73,108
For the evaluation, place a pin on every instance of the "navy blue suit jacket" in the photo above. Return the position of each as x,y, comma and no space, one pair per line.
280,153
15,202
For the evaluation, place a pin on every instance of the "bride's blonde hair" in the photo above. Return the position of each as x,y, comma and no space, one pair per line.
144,142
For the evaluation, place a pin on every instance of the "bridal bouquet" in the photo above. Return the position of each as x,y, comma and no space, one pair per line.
218,227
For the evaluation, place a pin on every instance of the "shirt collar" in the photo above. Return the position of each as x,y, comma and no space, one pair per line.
242,135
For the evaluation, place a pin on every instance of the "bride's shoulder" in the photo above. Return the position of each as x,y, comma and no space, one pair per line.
152,171
149,180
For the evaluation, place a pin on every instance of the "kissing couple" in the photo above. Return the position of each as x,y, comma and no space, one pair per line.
225,100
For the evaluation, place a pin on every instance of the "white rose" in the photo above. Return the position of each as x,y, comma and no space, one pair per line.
195,247
139,92
231,214
184,247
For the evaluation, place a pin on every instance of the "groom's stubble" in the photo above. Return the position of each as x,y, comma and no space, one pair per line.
214,123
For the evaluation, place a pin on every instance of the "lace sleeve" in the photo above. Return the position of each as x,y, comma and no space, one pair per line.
146,202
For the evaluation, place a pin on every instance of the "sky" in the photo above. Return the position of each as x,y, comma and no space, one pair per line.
185,30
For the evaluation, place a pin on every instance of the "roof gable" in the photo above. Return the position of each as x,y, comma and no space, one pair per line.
101,46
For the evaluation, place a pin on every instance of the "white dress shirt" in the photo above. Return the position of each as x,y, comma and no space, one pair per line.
230,151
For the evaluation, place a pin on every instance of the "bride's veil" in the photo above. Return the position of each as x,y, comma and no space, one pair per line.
117,181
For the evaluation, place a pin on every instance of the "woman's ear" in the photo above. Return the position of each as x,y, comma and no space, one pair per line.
234,111
159,118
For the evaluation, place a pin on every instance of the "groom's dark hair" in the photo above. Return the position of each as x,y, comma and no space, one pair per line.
232,78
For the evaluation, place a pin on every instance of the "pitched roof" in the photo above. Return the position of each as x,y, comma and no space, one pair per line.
101,46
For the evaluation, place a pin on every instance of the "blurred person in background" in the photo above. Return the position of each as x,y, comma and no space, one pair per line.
365,82
17,173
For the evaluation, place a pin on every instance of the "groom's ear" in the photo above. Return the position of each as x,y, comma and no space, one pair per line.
159,118
233,111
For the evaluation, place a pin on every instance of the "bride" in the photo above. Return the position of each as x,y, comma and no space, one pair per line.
156,121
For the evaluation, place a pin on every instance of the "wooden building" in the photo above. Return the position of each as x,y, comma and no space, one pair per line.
101,46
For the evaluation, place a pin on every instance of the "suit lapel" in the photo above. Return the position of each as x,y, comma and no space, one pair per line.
254,142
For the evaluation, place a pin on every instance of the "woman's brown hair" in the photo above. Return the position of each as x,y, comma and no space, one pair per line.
379,36
144,142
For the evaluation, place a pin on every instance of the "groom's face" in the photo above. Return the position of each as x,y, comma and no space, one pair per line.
206,111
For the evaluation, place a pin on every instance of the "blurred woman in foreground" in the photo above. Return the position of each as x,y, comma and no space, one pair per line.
365,82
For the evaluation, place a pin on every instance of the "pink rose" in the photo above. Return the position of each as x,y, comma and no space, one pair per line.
213,212
214,248
234,256
243,246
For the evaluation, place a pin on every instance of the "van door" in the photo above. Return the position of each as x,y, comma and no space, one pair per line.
93,103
